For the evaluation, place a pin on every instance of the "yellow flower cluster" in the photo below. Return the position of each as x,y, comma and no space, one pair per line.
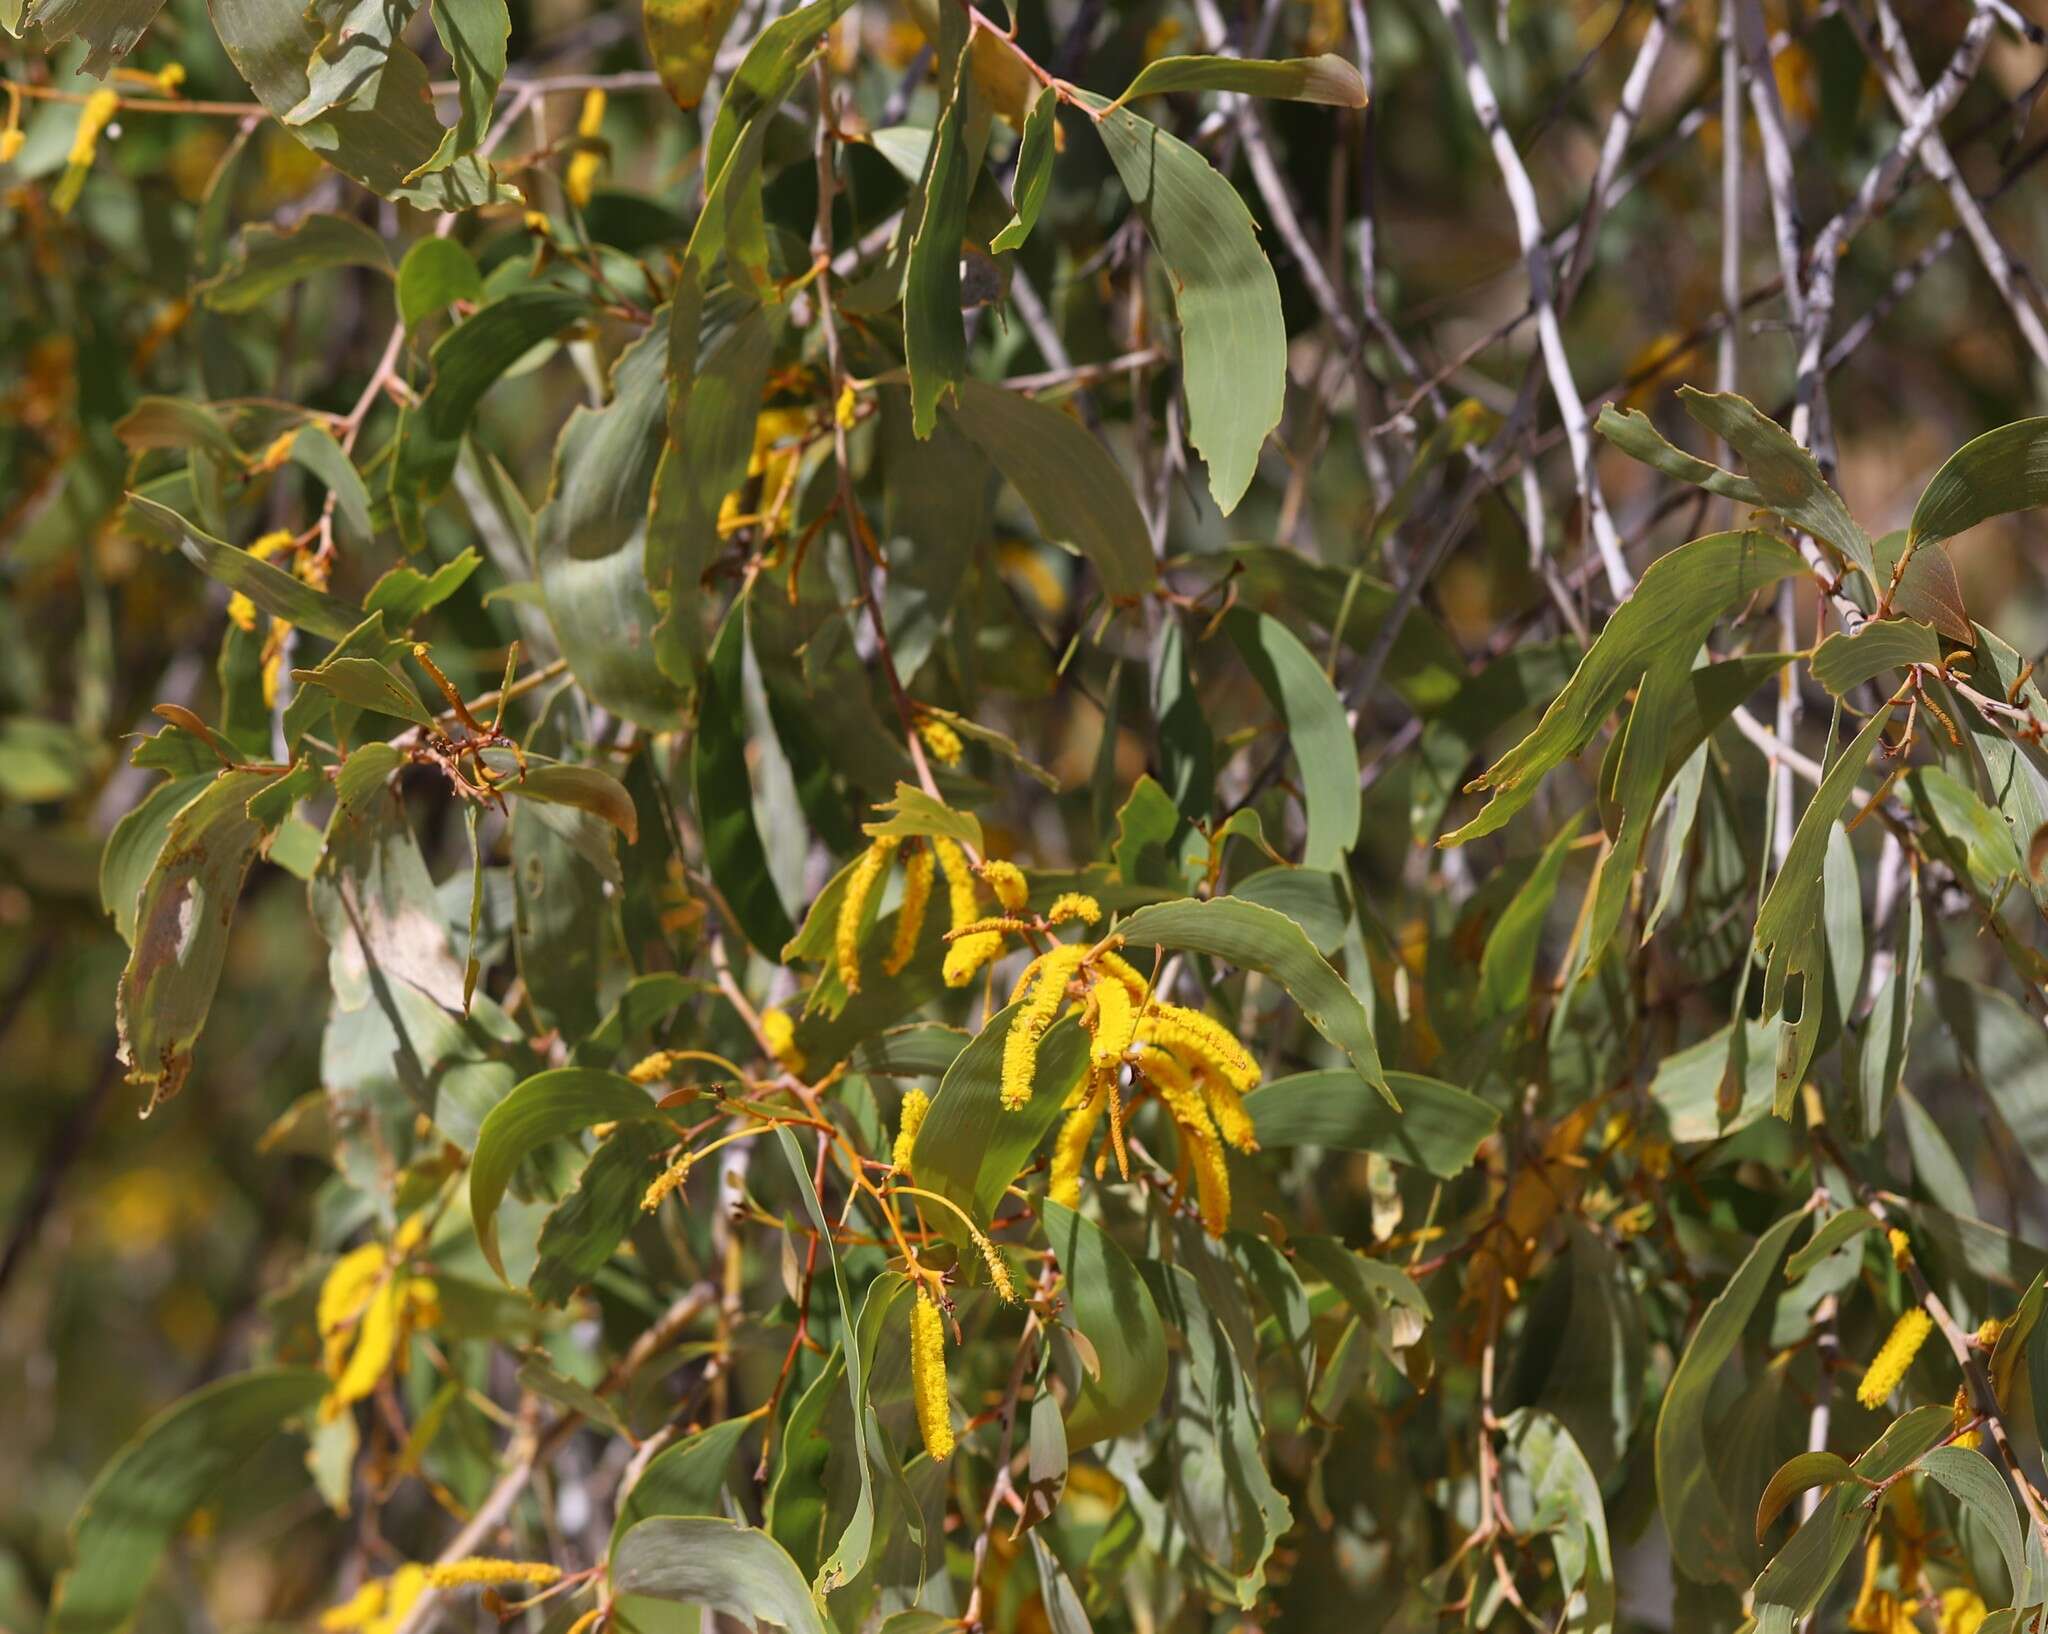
915,1105
940,740
651,1069
1007,880
380,1605
667,1183
1074,907
928,1377
1039,993
586,166
778,1032
1889,1365
368,1308
998,1269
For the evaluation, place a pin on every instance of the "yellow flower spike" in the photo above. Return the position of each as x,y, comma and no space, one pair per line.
1988,1331
1070,1148
998,1270
96,115
1889,1365
941,742
585,167
1006,879
853,907
1071,906
1115,964
1960,1413
669,1181
966,957
1116,1023
12,140
917,895
1205,1040
928,1377
915,1105
463,1573
1048,973
1901,1246
1226,1106
170,77
778,1031
1212,1181
377,1338
534,221
651,1069
843,410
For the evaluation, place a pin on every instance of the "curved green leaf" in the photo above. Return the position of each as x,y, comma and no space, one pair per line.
1800,1473
1438,1127
701,1560
144,1497
1706,1540
1327,79
1233,334
1844,661
1255,938
1033,175
270,588
1074,490
1115,1313
724,795
1318,733
544,1107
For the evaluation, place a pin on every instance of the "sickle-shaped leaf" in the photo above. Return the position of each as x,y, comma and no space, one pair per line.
269,587
725,796
1438,1126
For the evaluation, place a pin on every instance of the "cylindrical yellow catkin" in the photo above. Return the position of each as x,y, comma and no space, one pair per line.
1006,879
998,1270
1116,1021
1074,905
1205,1040
966,956
1212,1180
459,1573
915,1105
778,1032
853,907
940,740
1889,1365
1047,978
928,1377
1070,1148
917,895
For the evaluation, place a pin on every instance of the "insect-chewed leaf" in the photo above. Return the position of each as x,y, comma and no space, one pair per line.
1844,661
1566,1502
1033,173
383,137
368,685
182,917
150,1489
